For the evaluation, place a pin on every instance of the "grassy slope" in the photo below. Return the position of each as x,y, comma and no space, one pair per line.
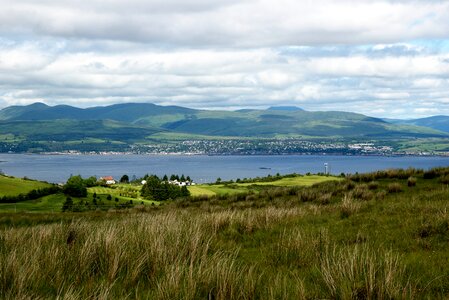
221,189
13,186
53,203
391,245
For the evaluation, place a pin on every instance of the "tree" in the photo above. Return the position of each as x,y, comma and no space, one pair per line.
75,187
218,180
109,197
188,178
185,192
183,179
165,178
68,204
124,179
91,181
94,195
158,190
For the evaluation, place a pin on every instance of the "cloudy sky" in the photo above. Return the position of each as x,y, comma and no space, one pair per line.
385,58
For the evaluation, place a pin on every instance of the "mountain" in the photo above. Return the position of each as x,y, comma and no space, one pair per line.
138,122
129,112
435,122
285,108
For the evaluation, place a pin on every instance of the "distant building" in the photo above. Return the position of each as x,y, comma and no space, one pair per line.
181,183
144,182
108,179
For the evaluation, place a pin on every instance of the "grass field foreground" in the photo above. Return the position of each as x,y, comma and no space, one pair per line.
375,236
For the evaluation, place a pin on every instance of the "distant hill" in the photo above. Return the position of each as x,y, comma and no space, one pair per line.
134,122
128,112
435,122
285,108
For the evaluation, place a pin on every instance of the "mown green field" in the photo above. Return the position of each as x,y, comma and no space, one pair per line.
10,186
234,188
51,203
124,192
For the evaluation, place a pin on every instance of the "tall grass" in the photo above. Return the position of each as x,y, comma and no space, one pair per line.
169,255
354,239
363,273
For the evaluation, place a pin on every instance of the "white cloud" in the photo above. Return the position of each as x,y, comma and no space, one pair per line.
250,23
323,54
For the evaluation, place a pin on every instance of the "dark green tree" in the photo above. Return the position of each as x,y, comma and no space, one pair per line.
68,204
109,197
124,179
91,181
184,192
75,187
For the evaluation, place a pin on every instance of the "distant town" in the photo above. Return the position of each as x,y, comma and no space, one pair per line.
257,147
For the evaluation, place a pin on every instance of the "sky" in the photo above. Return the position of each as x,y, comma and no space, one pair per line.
383,58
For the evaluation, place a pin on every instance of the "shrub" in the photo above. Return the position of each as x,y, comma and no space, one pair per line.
430,174
394,187
348,207
308,195
411,182
349,185
373,185
445,179
361,192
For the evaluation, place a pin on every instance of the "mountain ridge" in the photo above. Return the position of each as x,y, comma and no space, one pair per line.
141,119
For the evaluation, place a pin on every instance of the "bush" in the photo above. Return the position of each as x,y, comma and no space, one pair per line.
373,185
75,187
394,187
361,192
411,182
431,174
445,179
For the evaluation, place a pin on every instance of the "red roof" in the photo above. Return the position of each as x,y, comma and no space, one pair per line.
107,178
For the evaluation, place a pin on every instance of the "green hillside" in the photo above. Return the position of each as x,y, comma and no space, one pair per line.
131,126
235,188
435,122
382,235
11,186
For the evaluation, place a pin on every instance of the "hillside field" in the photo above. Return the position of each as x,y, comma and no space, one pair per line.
383,235
234,188
11,186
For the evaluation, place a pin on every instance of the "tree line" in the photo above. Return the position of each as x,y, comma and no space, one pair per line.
161,190
32,195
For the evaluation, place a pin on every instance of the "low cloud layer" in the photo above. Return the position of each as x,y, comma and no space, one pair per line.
381,58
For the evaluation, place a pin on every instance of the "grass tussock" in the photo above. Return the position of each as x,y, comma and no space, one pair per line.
363,273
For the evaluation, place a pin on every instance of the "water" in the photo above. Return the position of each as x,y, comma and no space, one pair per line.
57,168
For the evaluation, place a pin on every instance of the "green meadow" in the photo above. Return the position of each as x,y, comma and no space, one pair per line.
234,188
11,186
